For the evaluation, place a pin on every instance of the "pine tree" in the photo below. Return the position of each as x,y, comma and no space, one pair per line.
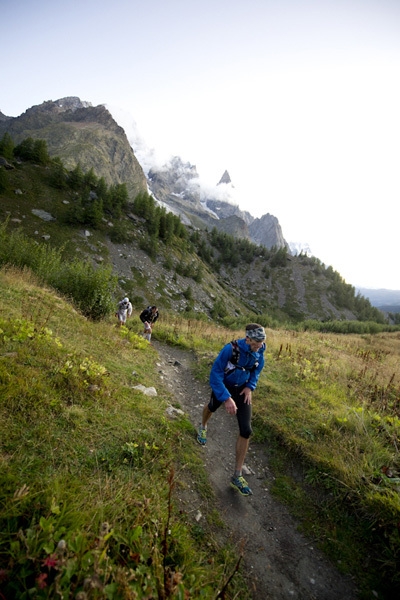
7,146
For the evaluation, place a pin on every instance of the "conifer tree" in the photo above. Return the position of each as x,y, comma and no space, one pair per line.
7,146
75,178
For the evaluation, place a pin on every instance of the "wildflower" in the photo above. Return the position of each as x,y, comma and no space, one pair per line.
41,581
50,561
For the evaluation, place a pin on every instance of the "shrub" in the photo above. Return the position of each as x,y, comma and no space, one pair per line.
92,290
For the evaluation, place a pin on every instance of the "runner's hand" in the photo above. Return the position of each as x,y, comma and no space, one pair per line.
247,395
230,406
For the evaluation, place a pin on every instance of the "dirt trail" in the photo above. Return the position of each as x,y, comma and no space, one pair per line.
280,563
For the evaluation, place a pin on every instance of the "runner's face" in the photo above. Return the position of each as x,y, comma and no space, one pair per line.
254,344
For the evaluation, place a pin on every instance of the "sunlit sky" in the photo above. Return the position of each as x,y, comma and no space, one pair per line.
298,100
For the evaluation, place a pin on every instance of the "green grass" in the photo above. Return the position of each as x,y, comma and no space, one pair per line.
90,469
331,404
88,465
327,407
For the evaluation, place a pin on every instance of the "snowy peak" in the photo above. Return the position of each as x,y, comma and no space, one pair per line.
225,178
297,248
178,187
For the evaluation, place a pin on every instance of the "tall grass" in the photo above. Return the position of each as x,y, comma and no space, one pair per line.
91,289
329,404
91,469
75,438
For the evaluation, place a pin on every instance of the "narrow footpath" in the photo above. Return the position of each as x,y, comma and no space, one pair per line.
279,562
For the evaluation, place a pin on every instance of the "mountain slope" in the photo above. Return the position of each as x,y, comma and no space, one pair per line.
177,186
387,300
209,273
79,133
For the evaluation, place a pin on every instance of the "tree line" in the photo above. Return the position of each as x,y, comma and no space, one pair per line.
94,203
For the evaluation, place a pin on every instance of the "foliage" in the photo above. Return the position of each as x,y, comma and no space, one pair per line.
189,268
158,222
119,233
92,290
360,327
232,250
344,297
3,180
7,147
94,200
89,466
33,150
219,310
279,258
58,174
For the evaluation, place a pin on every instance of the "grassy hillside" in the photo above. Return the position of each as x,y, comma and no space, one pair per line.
89,464
210,274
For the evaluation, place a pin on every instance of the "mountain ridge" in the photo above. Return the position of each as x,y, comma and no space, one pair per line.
384,299
271,282
70,125
79,133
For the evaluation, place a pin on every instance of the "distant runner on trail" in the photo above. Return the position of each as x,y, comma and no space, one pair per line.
233,377
148,316
124,311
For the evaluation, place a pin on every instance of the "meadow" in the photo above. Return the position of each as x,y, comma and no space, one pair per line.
89,465
328,409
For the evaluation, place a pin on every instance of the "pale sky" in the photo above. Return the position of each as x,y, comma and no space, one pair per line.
298,100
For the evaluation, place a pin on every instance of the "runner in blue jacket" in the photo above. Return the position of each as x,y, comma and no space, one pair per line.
234,375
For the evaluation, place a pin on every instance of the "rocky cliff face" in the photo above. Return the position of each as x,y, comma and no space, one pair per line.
177,186
267,228
176,179
80,133
77,132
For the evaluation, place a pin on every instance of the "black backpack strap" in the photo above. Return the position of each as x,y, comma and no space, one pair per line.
235,352
236,355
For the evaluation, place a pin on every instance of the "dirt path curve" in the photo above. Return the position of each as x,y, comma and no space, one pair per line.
280,562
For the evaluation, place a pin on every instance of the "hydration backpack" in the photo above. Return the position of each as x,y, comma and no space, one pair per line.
145,314
236,355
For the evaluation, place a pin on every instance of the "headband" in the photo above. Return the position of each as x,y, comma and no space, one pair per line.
257,334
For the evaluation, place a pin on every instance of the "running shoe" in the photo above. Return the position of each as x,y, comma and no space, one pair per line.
202,435
240,484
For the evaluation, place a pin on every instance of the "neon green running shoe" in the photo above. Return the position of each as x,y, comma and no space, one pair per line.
202,435
240,484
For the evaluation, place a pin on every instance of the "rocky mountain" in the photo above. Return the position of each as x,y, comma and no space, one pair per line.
267,228
270,281
225,178
77,132
177,186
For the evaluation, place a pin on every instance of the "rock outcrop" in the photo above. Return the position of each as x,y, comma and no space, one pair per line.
80,133
267,232
177,187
